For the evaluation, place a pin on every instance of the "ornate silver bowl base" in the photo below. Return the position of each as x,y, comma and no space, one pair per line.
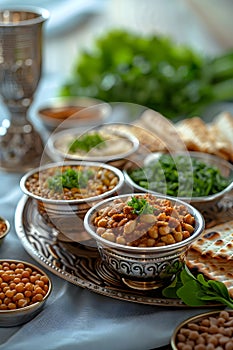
139,285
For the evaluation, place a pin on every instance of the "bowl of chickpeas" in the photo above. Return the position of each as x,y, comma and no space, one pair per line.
24,290
144,237
209,330
4,228
64,191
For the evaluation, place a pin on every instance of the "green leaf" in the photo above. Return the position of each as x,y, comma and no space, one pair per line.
188,293
201,280
219,288
170,291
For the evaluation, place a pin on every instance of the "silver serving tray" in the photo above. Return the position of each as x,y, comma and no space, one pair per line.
79,262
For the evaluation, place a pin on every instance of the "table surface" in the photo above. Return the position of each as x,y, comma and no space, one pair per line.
75,317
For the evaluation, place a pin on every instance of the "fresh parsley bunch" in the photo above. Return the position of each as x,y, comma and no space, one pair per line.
151,71
197,291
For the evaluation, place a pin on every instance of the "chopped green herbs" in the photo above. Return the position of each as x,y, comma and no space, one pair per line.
140,206
151,71
70,178
87,142
197,291
180,176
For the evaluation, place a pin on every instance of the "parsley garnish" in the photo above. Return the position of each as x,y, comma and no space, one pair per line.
70,178
140,206
87,142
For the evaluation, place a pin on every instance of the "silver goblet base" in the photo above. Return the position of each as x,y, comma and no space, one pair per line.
21,147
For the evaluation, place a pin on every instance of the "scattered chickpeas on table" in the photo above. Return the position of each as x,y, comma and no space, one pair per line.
21,285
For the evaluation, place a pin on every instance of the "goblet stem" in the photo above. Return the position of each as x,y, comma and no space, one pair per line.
20,144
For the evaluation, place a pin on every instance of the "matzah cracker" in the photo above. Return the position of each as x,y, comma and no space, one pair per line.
214,269
216,242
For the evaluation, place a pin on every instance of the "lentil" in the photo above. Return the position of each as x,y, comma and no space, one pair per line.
216,335
118,223
101,181
17,295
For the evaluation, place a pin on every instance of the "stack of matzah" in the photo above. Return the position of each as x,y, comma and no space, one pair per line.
212,254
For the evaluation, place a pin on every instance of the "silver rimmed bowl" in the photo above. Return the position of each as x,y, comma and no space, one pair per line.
4,228
202,203
122,244
23,300
211,328
64,208
115,146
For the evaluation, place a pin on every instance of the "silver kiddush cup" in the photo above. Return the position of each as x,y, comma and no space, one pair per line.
21,146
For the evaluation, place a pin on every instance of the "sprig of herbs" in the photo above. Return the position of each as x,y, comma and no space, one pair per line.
180,176
197,291
70,178
140,206
87,142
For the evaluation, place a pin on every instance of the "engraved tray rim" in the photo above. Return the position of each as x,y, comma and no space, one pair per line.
125,295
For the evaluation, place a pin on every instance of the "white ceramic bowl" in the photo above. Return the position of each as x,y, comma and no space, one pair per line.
116,149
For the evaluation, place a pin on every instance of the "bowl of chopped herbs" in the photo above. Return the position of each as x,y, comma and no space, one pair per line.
64,191
102,143
198,178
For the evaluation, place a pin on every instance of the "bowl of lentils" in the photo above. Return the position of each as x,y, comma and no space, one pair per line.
143,237
24,290
64,191
198,178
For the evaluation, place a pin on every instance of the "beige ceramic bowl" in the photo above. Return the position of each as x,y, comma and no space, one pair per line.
142,267
116,149
18,316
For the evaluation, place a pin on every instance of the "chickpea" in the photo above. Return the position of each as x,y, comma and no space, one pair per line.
208,333
168,239
144,230
109,236
17,291
129,226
